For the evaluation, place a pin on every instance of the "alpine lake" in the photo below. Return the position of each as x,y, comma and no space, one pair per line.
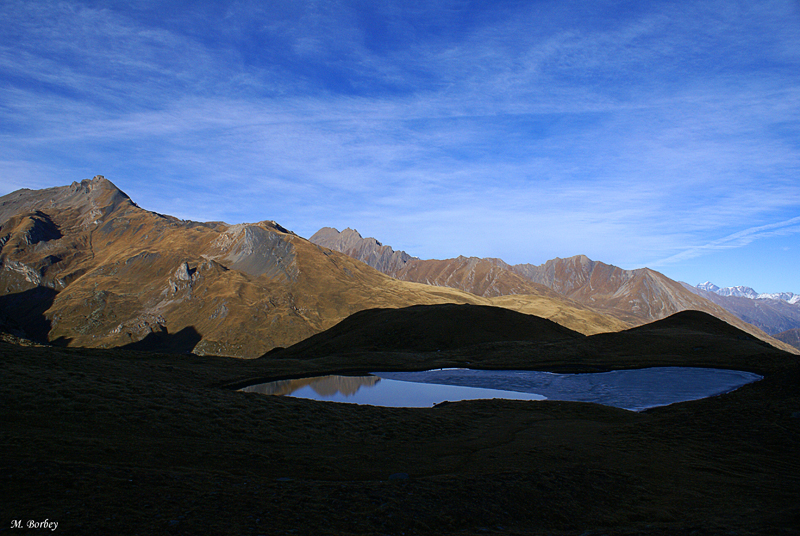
634,390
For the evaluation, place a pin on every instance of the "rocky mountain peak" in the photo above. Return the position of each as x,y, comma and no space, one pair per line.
274,226
96,182
367,250
90,201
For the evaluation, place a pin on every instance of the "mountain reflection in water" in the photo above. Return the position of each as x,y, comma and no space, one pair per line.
325,386
380,391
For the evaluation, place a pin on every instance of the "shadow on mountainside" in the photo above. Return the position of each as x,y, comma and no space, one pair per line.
23,314
429,328
182,342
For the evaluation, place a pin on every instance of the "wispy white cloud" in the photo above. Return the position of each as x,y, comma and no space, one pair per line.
736,240
629,135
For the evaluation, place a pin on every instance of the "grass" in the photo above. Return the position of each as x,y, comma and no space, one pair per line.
120,442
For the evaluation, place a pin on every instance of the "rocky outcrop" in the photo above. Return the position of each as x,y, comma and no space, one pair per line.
366,250
257,249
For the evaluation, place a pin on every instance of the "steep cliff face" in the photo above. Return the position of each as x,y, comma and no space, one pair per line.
258,249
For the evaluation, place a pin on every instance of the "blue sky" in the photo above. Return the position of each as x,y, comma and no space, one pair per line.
659,134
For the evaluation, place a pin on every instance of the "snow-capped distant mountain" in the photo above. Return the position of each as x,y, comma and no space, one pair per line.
738,292
785,296
708,286
747,292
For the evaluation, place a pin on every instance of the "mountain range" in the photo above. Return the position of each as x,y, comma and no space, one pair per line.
775,314
83,265
747,292
634,297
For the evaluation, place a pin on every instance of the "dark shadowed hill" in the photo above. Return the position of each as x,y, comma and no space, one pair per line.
684,337
697,321
428,328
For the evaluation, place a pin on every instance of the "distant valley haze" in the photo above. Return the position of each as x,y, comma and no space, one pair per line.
659,134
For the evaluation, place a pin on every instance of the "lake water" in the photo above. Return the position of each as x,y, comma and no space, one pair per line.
634,390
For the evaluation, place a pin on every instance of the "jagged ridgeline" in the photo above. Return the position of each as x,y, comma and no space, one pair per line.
631,297
83,265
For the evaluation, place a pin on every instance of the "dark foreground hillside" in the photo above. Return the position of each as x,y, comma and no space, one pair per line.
121,442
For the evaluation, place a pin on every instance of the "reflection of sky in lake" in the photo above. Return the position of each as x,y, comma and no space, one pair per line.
628,389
